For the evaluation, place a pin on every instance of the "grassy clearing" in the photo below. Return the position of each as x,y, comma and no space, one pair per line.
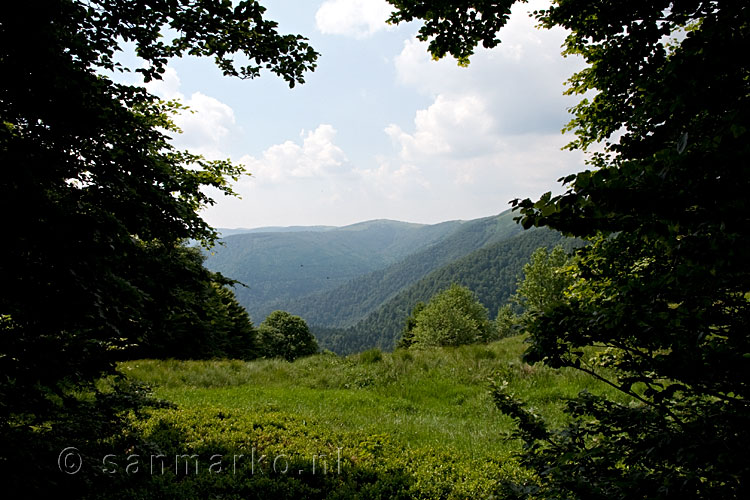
429,406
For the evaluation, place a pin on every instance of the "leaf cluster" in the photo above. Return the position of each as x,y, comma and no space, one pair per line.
100,199
454,28
285,336
452,317
661,293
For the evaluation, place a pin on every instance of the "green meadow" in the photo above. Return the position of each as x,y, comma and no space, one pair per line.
411,424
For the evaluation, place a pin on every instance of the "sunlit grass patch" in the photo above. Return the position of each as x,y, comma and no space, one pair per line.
432,407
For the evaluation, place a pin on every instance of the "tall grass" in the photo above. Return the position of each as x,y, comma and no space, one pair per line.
436,398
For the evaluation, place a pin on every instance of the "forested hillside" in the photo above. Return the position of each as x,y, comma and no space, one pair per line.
491,272
352,302
622,374
280,266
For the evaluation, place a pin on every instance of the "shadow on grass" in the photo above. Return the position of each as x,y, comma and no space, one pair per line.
94,452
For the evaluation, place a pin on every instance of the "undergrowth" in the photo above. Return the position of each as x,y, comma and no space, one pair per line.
417,424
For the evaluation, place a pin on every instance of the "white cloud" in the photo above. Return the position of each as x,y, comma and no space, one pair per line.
457,141
355,18
394,181
452,127
521,166
205,126
311,179
491,133
168,87
520,81
316,156
479,137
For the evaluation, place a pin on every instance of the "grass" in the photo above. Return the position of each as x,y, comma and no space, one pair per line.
437,399
407,424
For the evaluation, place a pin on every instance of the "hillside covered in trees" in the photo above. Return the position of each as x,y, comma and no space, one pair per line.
346,305
491,272
278,266
625,371
486,255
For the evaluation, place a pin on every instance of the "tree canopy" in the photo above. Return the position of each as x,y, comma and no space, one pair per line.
97,200
662,291
545,280
283,335
452,317
407,333
197,317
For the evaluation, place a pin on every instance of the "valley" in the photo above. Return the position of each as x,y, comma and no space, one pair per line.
355,285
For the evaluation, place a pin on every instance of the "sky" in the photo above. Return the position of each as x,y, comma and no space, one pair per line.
379,130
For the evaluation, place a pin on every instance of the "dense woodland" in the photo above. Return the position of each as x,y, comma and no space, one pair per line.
337,277
281,267
491,272
635,343
486,255
353,302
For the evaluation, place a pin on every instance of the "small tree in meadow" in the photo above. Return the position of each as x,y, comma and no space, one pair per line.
282,335
545,279
452,317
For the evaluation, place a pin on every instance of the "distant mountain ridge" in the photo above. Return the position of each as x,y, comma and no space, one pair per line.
491,272
356,284
357,226
281,266
353,301
225,232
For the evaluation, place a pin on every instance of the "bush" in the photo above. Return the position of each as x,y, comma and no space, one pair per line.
282,335
507,322
371,356
452,317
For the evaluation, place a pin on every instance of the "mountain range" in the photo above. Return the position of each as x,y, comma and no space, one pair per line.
356,284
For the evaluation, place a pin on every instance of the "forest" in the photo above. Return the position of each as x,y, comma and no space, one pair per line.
592,343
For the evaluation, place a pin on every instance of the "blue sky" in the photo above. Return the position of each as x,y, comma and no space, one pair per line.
380,130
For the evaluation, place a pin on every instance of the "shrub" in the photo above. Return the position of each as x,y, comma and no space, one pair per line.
452,317
285,336
371,356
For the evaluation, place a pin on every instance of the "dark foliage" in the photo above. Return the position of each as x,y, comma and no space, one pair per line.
98,201
407,333
282,335
196,317
661,297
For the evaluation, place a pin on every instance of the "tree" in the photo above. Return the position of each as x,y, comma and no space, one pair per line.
507,322
662,291
545,281
452,317
98,195
282,335
407,333
198,317
238,338
546,277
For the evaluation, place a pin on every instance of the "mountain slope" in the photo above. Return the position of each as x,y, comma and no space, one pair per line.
285,265
491,272
353,301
